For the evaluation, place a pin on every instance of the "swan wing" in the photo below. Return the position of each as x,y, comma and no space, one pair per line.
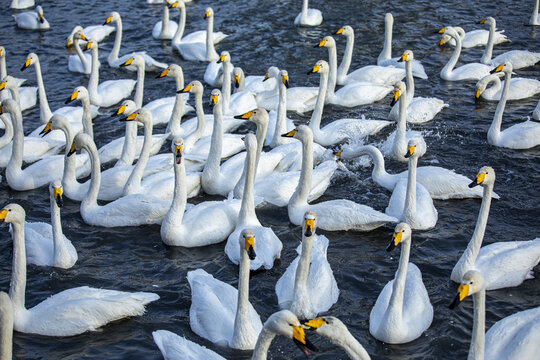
113,91
421,109
375,74
519,58
444,184
98,32
192,51
343,129
38,239
360,93
174,347
524,135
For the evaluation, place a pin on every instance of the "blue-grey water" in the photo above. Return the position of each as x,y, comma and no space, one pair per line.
262,34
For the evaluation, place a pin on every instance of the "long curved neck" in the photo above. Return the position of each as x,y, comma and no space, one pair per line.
347,57
139,90
211,54
476,351
400,140
332,57
15,163
88,128
8,131
488,51
301,193
409,80
263,343
495,129
77,46
534,15
226,86
94,75
379,173
90,199
70,162
201,126
302,271
178,206
14,91
247,209
134,182
304,8
17,287
176,117
493,88
128,149
242,322
409,213
165,20
60,249
211,168
316,116
352,347
117,42
398,288
281,118
386,52
6,327
44,109
447,69
3,68
181,25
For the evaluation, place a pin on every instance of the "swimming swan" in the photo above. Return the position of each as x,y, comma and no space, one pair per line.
253,83
474,38
32,20
502,264
70,312
21,4
520,88
239,102
402,311
26,96
3,73
308,17
80,62
165,28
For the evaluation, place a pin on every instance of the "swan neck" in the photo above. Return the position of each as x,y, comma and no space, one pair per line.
165,20
58,236
14,91
178,206
409,80
113,56
226,86
379,173
304,7
302,270
88,128
386,52
488,51
90,199
176,117
495,128
8,131
281,117
242,323
476,351
409,213
17,148
247,209
211,54
353,348
129,147
263,343
44,109
133,184
332,57
80,54
347,58
6,327
316,116
17,287
447,69
534,15
301,193
3,68
400,140
139,91
211,168
181,25
398,289
70,162
94,76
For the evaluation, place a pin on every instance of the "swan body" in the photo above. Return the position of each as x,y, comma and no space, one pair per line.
165,28
520,88
474,38
253,83
524,135
402,311
96,32
70,312
26,96
239,102
32,20
308,286
502,264
470,71
174,347
115,61
308,17
3,73
385,57
419,109
80,62
332,215
21,4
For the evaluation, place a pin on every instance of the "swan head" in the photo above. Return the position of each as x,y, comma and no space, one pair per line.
388,19
177,148
399,89
39,11
215,97
406,56
320,67
12,213
77,32
327,42
489,20
272,72
195,87
56,122
402,233
179,4
472,283
446,38
141,115
8,82
486,176
136,60
224,57
247,243
113,16
284,77
415,149
310,223
32,58
172,70
81,140
482,84
55,189
329,326
286,323
238,75
507,68
80,93
127,107
9,106
259,116
451,32
302,133
346,30
208,13
91,44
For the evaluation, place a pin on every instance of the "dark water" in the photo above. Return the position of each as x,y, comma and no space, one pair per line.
262,35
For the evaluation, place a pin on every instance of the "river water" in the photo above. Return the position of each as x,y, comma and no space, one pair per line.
262,34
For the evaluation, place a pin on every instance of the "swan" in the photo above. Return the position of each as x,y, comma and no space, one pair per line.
514,337
209,222
80,62
519,58
253,83
535,18
70,312
441,183
308,17
520,88
410,201
502,264
332,215
109,92
180,105
278,122
46,244
402,311
268,246
385,57
308,286
523,135
474,38
21,4
73,113
239,102
26,96
370,74
283,322
340,130
32,20
471,71
94,32
336,332
395,146
115,61
419,109
3,73
165,28
212,299
6,326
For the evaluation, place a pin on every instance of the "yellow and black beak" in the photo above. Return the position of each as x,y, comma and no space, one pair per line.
109,19
88,45
83,37
2,85
340,31
410,151
395,98
396,239
497,69
185,89
69,43
403,57
250,246
178,152
301,340
314,324
441,42
290,133
206,15
72,150
236,81
73,97
285,79
3,215
128,62
478,180
314,70
477,95
222,59
173,5
41,18
442,31
163,73
483,21
266,77
321,44
58,197
47,129
308,227
246,116
130,117
213,100
463,292
121,110
26,64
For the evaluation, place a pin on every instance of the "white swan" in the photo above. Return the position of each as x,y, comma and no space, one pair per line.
253,83
523,135
308,286
6,326
410,201
470,71
268,246
115,61
213,299
269,98
520,88
502,264
94,32
308,17
165,28
80,62
32,20
209,222
26,96
519,58
70,312
175,347
46,244
332,215
109,92
278,122
339,130
441,183
21,4
514,337
336,332
385,57
535,18
419,109
239,102
474,38
3,73
402,311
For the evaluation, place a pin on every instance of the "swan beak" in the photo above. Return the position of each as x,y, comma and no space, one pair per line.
3,215
131,116
173,5
497,69
290,133
88,45
314,324
395,99
26,64
266,77
185,90
73,97
69,43
285,80
236,81
58,197
300,339
128,62
213,100
483,21
403,58
340,31
206,15
3,85
410,151
72,150
477,95
246,116
480,177
41,18
178,150
163,73
441,43
81,35
309,226
463,292
222,59
47,129
109,19
250,246
396,239
121,110
321,44
441,31
315,69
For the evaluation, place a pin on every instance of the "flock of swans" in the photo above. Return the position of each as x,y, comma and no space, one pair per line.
281,165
